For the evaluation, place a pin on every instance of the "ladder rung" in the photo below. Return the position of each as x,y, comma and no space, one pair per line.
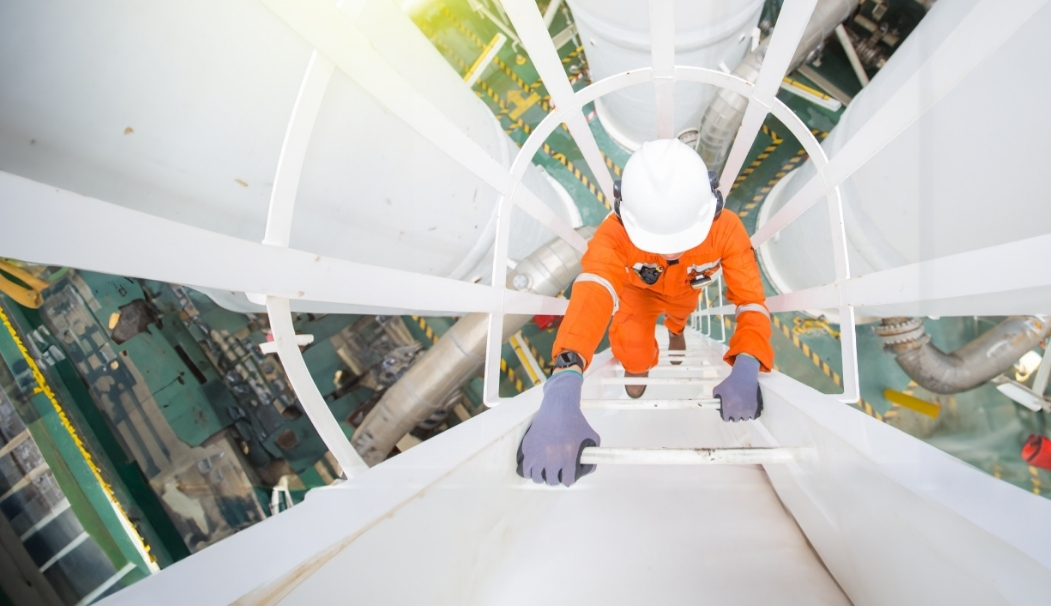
687,456
629,404
699,371
657,381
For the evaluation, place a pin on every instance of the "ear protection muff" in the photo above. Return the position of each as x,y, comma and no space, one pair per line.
713,181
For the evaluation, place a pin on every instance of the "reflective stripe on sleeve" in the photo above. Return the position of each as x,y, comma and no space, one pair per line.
753,307
605,283
704,266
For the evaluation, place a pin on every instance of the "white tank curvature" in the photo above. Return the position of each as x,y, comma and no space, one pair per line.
180,109
616,38
955,180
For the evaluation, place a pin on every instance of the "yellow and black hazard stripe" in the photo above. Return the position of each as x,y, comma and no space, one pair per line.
488,90
821,364
576,173
426,328
545,103
462,27
788,167
792,163
810,354
610,163
1034,477
572,55
445,48
511,376
536,355
774,142
862,404
513,76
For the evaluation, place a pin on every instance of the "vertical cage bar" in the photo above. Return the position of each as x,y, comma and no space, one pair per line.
662,51
791,23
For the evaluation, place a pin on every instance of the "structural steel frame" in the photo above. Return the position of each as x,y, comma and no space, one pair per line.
331,29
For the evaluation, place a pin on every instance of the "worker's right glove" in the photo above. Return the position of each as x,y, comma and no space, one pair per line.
739,393
550,450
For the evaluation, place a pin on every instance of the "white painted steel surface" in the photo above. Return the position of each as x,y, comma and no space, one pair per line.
952,127
617,36
113,100
163,251
537,41
650,404
689,456
310,398
662,53
851,385
791,23
954,534
891,520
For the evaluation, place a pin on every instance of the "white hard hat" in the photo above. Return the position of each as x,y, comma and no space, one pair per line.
667,204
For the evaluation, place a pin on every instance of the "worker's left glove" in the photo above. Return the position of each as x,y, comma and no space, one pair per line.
739,393
550,450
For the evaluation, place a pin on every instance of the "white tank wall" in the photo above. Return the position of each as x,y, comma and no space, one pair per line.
616,38
967,175
207,89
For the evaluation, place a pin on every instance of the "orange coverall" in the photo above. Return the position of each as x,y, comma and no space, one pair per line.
610,286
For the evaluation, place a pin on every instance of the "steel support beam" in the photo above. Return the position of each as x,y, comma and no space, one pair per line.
985,29
689,456
159,249
529,24
335,35
662,52
791,23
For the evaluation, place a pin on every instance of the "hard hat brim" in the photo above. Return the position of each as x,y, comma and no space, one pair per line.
669,244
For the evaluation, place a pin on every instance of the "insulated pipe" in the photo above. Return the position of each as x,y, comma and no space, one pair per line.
459,354
989,355
723,117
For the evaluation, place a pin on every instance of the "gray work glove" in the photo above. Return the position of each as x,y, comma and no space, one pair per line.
550,450
739,392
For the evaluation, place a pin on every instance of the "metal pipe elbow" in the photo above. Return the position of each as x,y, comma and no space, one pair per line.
989,355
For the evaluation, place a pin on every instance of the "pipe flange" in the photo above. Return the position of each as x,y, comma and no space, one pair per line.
895,326
902,334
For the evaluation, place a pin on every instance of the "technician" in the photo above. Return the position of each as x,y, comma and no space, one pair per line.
668,237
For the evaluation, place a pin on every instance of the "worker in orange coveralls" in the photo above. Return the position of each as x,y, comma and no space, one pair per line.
667,238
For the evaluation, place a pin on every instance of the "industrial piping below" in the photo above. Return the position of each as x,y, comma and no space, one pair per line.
460,353
723,117
989,355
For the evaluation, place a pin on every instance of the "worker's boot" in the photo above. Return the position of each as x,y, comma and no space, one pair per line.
676,342
635,391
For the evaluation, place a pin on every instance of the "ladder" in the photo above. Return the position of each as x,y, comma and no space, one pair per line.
700,375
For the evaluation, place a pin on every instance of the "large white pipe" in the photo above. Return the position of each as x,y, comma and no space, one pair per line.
723,116
967,175
616,38
179,109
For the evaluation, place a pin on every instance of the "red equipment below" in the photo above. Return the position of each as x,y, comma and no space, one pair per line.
1037,452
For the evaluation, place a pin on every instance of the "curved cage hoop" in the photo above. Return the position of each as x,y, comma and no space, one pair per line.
638,77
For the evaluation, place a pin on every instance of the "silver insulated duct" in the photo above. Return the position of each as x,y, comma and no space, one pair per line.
723,117
989,355
459,354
